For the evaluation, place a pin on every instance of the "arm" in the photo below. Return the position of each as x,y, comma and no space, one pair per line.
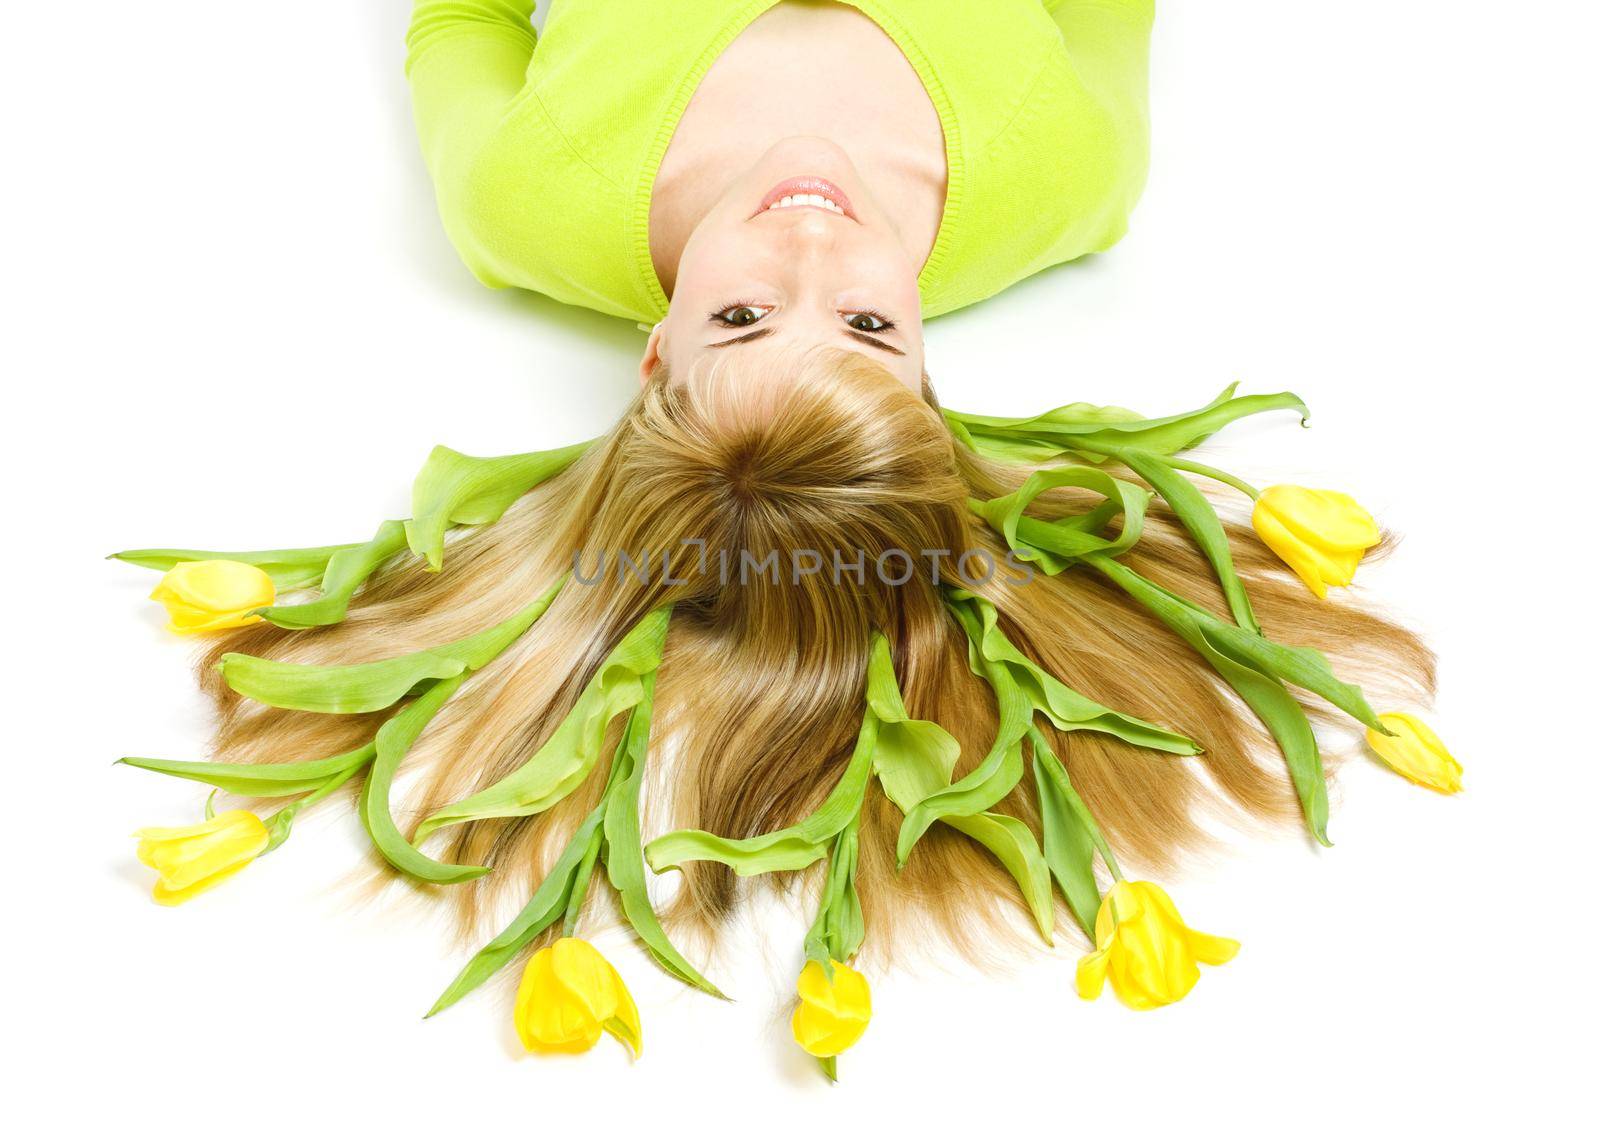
466,60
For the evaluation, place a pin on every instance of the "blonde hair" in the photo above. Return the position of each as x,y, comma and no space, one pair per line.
760,691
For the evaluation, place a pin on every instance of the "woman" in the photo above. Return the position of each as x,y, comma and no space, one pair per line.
830,173
786,602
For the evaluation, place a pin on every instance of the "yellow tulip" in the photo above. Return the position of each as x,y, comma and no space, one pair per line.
568,996
1142,944
1414,751
197,857
832,1014
1322,535
202,597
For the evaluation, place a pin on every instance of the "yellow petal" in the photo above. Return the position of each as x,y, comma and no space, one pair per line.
1323,518
1145,950
1338,569
526,989
1092,974
196,857
625,1025
1283,544
832,1015
213,594
569,994
1321,534
1151,964
852,996
1106,919
164,895
1209,949
587,976
1153,975
1414,751
545,1020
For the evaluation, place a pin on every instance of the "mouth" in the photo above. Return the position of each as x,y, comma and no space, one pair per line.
808,191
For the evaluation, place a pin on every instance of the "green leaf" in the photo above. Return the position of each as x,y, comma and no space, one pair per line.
453,488
624,854
395,738
1071,836
346,570
359,688
1197,515
1014,846
1078,417
1018,449
1066,709
788,849
1182,431
561,764
291,569
544,909
1022,689
912,757
1253,666
914,760
1053,546
1171,434
275,779
977,791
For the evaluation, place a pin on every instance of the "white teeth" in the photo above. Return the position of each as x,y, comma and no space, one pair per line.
807,200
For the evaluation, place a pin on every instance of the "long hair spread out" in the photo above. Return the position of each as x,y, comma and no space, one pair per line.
709,474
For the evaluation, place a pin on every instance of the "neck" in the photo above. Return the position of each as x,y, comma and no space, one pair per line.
804,70
911,190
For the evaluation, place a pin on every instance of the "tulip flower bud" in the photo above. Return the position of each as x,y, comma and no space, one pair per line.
1143,946
202,597
196,858
1414,751
568,996
1322,535
832,1014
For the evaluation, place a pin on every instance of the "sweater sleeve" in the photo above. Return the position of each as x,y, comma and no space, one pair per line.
466,61
1109,40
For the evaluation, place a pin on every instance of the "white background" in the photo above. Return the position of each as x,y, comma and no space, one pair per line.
233,321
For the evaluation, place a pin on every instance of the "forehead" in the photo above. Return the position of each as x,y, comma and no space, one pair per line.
753,372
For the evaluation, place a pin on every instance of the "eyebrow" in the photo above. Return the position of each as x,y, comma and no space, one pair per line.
874,341
762,333
745,339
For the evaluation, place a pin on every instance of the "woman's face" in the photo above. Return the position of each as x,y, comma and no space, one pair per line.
796,253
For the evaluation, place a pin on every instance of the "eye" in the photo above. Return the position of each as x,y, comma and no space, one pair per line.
739,316
867,322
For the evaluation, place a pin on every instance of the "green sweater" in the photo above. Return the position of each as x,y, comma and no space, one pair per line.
544,151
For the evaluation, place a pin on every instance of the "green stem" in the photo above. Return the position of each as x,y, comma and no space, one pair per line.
279,823
580,879
1215,474
580,884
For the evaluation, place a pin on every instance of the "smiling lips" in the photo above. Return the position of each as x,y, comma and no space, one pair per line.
808,191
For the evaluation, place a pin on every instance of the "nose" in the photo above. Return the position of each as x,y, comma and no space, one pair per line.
812,232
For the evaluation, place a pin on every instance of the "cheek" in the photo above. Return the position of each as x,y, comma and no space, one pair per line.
712,259
907,295
884,269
